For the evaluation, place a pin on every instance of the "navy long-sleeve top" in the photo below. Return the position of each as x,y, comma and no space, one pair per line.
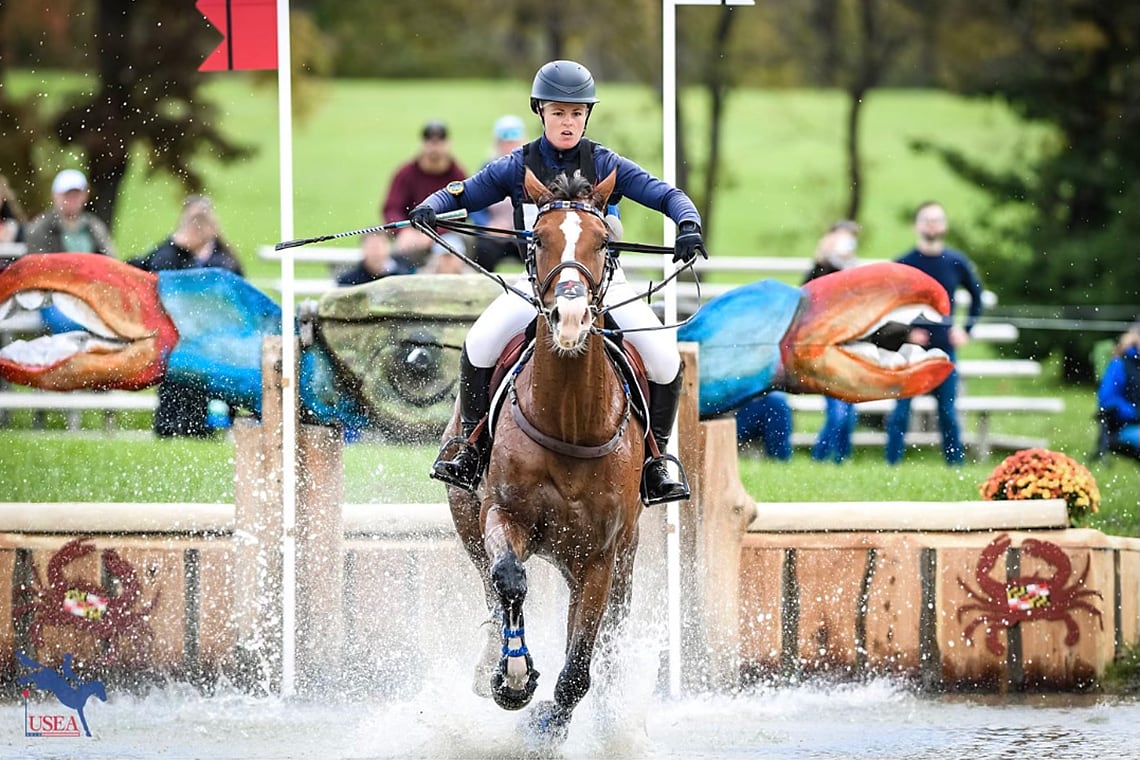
503,178
953,270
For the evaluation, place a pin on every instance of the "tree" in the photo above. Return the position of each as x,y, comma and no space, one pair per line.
20,124
876,48
147,57
718,80
1063,225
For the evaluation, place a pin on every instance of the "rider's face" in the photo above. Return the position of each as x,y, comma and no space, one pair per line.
564,123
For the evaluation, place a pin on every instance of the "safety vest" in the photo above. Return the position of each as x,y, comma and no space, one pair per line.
525,210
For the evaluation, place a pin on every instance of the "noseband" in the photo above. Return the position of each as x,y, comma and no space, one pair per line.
570,289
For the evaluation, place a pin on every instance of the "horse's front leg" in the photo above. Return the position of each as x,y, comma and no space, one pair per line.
617,612
513,684
587,607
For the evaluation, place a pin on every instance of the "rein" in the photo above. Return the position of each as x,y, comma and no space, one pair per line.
615,247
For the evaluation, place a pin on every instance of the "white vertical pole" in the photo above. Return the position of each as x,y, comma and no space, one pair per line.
288,373
669,170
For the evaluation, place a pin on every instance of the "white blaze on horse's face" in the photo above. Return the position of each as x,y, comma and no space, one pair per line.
571,303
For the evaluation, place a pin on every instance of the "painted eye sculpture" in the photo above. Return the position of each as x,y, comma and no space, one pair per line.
396,345
417,370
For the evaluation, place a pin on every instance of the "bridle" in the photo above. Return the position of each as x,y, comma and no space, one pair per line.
571,288
568,289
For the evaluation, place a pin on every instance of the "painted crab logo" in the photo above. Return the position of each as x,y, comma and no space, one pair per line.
68,688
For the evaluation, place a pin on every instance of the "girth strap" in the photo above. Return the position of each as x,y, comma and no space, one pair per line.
559,446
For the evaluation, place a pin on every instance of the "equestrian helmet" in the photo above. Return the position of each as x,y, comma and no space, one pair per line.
562,82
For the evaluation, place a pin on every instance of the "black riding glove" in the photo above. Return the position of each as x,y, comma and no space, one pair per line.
422,215
689,243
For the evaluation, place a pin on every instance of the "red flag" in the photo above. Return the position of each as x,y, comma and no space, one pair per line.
249,31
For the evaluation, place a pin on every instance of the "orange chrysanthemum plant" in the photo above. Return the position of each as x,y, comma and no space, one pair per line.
1044,474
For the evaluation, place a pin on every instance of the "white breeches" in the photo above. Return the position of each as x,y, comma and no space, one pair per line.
508,314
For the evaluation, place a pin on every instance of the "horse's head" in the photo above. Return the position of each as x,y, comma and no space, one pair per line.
571,262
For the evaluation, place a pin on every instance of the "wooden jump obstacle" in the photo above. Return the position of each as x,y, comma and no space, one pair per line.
768,590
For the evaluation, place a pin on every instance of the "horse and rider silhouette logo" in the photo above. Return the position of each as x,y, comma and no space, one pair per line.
67,687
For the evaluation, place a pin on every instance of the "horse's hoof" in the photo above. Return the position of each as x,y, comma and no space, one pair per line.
506,688
513,699
548,725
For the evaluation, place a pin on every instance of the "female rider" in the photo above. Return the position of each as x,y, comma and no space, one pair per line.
563,96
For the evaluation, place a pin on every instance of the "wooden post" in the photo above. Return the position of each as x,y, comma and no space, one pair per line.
712,526
320,558
257,532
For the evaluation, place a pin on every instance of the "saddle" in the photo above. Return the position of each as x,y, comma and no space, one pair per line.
624,359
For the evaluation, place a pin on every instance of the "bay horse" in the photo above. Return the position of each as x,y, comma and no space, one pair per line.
564,470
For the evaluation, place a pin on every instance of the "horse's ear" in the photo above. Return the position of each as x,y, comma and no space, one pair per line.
603,190
538,192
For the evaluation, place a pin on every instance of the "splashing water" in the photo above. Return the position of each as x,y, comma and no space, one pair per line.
880,719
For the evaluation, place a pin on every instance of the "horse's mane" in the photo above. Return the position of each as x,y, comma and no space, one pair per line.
570,188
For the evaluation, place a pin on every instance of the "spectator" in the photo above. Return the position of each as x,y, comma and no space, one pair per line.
184,408
375,261
953,270
433,168
13,220
442,262
66,227
509,133
1118,397
835,252
767,418
196,242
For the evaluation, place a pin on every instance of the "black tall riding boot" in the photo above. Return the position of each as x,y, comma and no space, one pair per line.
657,485
465,467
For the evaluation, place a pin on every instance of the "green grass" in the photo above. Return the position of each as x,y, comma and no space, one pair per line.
783,181
51,466
133,466
922,476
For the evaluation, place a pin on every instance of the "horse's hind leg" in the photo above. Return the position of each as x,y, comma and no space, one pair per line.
514,683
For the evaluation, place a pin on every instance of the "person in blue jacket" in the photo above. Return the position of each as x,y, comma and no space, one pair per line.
1118,396
953,270
563,96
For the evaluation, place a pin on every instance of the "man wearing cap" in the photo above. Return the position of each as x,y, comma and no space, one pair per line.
432,169
66,227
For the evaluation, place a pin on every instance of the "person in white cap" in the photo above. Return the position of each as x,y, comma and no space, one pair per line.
66,227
